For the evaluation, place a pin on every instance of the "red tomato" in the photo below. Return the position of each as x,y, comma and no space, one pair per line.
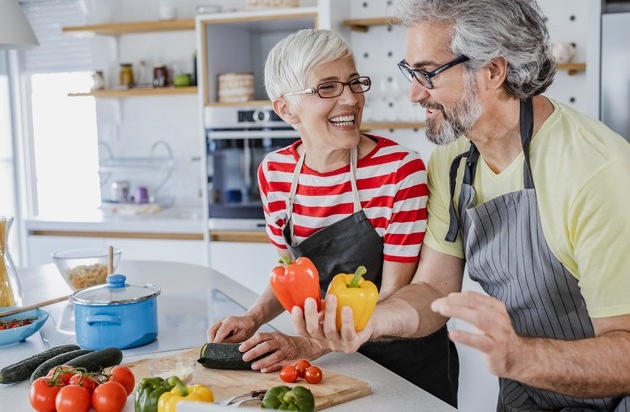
301,366
313,374
73,398
42,394
289,374
124,376
109,397
83,381
62,377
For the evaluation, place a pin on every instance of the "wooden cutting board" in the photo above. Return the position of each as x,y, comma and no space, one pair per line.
334,389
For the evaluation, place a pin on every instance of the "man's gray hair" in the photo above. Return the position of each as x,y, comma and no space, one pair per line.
293,59
484,30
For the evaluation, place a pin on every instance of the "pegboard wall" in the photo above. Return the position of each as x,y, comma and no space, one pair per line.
381,48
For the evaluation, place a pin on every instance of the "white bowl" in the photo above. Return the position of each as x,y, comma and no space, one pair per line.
82,268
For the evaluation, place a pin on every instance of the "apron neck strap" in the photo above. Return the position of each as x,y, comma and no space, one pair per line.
296,178
527,130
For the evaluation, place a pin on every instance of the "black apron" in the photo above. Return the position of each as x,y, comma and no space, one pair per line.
431,362
507,254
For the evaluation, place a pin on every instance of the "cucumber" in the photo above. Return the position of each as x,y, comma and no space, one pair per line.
224,356
98,360
21,370
61,359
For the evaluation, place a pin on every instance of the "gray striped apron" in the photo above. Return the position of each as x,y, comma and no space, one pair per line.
506,252
430,362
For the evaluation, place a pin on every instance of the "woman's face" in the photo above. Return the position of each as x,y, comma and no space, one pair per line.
331,123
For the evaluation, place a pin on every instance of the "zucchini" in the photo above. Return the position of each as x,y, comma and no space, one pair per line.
21,370
61,359
224,356
98,360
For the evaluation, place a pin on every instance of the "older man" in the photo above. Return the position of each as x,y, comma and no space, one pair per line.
530,196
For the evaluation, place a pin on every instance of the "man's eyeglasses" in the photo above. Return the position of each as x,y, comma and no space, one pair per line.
425,78
332,89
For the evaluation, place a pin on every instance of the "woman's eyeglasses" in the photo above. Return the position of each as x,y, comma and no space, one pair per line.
425,78
332,89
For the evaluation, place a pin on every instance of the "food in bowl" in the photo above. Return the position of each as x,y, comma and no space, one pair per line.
22,325
84,276
82,268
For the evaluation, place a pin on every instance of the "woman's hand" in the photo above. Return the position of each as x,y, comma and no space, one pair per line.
280,350
233,329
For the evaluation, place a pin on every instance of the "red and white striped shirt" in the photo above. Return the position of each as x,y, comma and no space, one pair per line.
392,185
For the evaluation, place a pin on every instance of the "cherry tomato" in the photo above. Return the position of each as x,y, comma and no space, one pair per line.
73,398
62,377
301,366
124,376
313,374
83,381
42,394
110,396
289,374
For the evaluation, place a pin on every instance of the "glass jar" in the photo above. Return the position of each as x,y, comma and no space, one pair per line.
126,75
10,288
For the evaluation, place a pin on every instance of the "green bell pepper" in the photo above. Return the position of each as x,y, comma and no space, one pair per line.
148,393
282,397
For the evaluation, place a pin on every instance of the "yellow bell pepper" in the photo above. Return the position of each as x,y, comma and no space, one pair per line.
359,294
181,392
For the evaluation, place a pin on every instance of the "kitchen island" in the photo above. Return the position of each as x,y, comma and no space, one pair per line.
192,297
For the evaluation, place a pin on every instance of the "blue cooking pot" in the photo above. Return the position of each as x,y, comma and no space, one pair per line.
116,314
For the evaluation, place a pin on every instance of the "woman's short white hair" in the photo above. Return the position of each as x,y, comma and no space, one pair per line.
292,60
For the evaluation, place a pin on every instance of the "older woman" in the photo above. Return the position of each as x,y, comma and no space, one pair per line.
341,198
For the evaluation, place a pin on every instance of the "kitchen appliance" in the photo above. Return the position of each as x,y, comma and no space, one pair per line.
237,139
615,60
116,315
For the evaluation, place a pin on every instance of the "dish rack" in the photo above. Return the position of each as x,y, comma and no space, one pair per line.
160,160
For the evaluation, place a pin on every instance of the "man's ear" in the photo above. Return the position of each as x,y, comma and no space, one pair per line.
283,110
497,73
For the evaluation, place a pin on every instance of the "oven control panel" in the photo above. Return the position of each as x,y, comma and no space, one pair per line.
236,118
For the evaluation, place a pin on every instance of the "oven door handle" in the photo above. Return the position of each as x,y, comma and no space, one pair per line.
252,134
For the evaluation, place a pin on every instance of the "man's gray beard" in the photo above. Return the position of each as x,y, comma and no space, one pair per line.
458,120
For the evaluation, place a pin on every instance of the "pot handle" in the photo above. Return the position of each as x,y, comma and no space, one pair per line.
92,319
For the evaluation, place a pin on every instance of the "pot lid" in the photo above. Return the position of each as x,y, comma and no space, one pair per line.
114,292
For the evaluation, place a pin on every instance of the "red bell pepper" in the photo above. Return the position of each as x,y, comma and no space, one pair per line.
294,281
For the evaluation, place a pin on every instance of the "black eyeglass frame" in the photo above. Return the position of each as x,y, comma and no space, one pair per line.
427,77
315,90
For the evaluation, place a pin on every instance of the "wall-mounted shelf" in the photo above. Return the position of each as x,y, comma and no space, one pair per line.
137,92
572,68
132,27
362,25
367,126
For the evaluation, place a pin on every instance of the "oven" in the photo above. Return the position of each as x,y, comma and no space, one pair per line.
237,139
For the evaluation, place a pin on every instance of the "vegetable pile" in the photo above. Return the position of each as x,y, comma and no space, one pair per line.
301,369
282,397
73,389
162,395
15,323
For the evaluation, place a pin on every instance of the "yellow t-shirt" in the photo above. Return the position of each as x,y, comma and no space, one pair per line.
581,172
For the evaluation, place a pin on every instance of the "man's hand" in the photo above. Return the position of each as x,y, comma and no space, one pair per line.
494,335
323,328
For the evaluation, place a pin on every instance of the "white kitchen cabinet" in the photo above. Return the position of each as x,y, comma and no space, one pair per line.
247,263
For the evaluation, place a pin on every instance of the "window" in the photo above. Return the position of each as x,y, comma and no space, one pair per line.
63,130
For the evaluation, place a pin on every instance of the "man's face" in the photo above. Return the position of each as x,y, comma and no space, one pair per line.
453,105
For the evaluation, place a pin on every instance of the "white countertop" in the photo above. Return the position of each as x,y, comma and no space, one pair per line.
168,220
192,289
